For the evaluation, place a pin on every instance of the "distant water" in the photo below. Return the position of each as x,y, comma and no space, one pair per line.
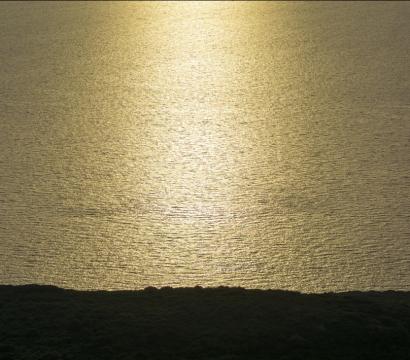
265,145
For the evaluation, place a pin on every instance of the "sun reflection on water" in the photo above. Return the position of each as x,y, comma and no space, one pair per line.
212,143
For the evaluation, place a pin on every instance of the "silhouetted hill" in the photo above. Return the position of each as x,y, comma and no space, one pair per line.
48,323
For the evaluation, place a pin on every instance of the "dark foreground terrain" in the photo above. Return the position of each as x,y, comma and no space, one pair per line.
44,322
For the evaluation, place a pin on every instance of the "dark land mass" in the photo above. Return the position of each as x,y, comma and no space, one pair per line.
48,323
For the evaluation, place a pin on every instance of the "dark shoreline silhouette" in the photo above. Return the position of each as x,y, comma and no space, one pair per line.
49,323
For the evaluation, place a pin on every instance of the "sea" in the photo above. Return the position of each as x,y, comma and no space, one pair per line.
255,144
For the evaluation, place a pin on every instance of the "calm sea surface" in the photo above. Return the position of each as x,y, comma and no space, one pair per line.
264,145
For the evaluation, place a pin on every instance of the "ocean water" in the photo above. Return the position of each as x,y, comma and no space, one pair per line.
263,145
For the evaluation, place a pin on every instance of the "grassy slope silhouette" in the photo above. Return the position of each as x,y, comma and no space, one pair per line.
48,323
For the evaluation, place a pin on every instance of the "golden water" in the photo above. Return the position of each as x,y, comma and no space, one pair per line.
251,144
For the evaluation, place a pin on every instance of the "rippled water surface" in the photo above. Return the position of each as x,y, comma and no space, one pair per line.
255,144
